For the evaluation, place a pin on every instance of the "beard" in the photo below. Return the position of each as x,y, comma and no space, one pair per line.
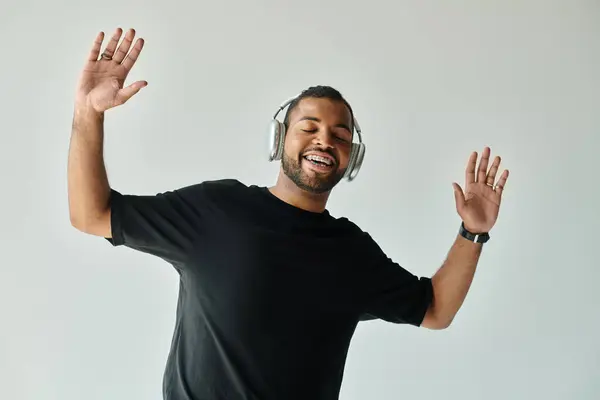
317,184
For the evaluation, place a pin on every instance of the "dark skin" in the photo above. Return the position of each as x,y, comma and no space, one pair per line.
317,126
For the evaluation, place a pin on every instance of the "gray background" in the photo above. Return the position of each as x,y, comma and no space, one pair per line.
430,82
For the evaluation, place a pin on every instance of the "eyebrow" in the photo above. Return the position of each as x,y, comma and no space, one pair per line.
308,118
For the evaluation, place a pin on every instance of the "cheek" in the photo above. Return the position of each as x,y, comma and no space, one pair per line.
294,145
344,154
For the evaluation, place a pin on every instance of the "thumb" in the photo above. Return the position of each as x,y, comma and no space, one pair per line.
459,196
127,92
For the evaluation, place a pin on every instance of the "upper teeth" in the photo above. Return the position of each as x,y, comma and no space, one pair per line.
320,159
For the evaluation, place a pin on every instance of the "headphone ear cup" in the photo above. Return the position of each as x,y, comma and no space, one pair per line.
276,140
357,155
281,140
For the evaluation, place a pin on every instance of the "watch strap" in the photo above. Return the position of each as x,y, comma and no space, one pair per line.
473,237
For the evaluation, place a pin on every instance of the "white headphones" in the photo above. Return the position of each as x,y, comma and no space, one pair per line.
277,140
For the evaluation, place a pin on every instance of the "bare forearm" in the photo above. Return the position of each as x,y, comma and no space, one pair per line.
453,280
87,180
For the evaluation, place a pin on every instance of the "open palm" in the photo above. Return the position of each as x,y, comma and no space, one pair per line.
101,84
479,204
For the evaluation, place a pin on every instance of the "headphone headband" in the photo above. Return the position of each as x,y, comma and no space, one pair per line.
285,104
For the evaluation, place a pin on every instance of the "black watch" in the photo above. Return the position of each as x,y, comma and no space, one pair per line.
473,237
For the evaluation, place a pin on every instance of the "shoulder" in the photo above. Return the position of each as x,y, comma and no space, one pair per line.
220,194
361,238
350,226
217,187
352,229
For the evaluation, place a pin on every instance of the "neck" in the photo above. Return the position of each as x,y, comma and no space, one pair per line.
287,191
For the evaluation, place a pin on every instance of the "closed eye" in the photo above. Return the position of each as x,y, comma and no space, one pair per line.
337,137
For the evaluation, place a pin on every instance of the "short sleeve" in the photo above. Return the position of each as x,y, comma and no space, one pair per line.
391,293
164,225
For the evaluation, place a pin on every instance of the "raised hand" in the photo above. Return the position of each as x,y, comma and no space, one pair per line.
101,85
479,204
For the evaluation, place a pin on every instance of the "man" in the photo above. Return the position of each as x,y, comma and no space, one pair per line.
272,286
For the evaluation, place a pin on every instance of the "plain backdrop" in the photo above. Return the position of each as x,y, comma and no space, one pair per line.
430,81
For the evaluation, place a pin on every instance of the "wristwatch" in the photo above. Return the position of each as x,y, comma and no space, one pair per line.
473,237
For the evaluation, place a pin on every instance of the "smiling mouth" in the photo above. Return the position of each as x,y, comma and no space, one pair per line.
316,159
319,164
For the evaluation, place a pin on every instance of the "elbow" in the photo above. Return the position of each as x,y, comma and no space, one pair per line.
434,321
436,325
97,224
79,222
75,221
441,325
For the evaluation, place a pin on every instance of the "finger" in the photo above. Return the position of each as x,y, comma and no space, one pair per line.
95,52
124,46
128,92
459,197
133,54
491,176
112,44
501,182
470,171
483,165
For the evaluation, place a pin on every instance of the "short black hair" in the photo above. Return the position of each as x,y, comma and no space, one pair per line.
318,92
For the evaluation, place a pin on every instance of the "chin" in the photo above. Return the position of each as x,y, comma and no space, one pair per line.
319,182
309,178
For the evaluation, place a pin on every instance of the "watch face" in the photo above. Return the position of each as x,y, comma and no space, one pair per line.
482,238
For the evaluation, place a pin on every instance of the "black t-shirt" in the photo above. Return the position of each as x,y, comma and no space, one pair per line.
270,294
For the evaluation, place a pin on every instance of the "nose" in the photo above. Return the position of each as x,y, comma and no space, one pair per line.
324,138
